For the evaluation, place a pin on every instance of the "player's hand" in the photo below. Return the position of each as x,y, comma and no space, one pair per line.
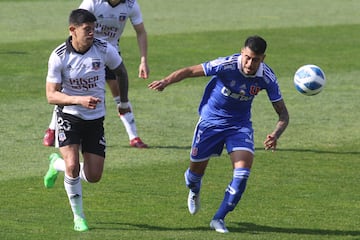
143,70
89,101
157,85
270,142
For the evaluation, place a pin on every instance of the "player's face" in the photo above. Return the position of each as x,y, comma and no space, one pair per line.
250,61
82,36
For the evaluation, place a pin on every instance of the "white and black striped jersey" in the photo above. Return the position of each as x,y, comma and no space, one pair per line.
83,74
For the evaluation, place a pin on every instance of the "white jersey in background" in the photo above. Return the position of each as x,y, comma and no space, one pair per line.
111,21
83,74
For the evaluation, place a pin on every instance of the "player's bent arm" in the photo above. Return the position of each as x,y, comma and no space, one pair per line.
54,96
177,76
283,121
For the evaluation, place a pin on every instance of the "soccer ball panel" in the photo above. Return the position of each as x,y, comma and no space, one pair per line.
309,80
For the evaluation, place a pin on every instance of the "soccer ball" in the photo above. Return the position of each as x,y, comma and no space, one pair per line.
309,80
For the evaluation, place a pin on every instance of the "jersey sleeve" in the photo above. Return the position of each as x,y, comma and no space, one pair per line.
135,14
54,69
113,58
273,89
218,65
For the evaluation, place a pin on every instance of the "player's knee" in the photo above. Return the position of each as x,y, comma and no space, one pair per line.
93,177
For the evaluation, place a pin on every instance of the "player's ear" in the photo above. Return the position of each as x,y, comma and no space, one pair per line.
71,28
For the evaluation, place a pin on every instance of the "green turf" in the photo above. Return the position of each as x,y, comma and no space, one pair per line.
308,189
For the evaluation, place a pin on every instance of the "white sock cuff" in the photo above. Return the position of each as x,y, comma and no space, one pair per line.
82,173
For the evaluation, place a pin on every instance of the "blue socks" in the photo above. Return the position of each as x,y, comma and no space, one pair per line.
233,192
193,180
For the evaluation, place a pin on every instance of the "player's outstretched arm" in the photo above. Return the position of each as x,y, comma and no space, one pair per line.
177,76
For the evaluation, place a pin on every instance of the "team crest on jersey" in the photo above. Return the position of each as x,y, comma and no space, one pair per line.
122,18
96,64
254,90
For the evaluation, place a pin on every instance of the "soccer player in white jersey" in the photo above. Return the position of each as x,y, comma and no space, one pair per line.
225,119
75,83
112,16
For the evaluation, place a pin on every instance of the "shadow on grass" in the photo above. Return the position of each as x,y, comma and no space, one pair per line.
255,228
148,227
10,52
242,227
258,149
155,147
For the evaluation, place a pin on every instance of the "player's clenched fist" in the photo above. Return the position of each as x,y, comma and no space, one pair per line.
89,101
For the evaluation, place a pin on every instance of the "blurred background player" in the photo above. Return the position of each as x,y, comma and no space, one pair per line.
75,83
112,16
225,119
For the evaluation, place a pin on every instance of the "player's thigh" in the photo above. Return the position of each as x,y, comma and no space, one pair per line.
93,166
240,146
93,138
242,159
93,149
70,154
207,142
241,139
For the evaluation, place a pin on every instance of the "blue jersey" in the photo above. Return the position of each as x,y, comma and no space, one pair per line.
229,94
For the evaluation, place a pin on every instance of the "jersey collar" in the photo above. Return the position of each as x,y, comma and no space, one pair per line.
70,47
259,72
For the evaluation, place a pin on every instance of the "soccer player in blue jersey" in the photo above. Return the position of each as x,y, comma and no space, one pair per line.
225,119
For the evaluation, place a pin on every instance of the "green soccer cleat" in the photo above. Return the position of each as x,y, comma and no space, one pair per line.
52,173
80,225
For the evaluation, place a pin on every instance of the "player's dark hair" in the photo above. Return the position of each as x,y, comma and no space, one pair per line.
80,16
256,43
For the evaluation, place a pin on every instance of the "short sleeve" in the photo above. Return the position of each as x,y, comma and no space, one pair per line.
54,69
113,59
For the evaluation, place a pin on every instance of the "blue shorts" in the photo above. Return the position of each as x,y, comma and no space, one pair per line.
209,140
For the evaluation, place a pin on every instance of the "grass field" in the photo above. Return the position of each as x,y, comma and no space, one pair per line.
308,189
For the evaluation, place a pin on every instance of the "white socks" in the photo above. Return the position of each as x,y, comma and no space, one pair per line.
129,124
128,120
73,189
52,124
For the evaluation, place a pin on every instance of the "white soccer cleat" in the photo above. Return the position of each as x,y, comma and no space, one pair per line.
218,225
193,202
